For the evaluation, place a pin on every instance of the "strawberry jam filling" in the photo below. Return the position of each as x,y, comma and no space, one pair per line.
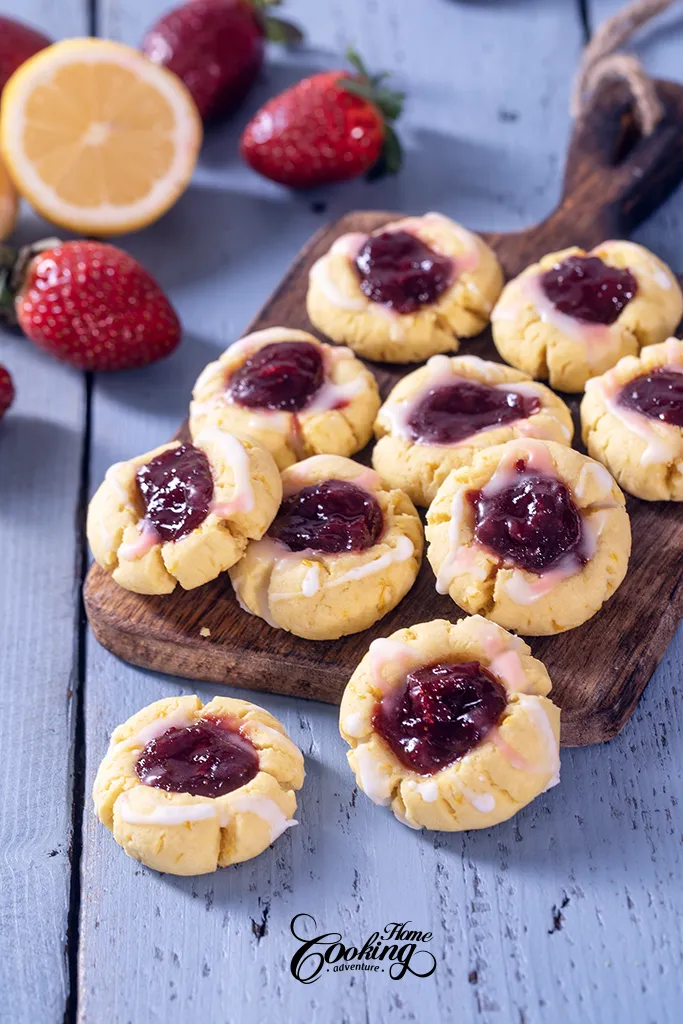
176,489
330,517
442,713
657,395
209,758
398,270
532,523
448,414
587,289
282,376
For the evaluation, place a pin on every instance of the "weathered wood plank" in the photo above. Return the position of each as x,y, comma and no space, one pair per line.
486,128
40,455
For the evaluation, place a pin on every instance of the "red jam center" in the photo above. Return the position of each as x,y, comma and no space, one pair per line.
209,758
587,289
176,490
331,517
533,523
444,711
658,395
398,270
283,375
450,413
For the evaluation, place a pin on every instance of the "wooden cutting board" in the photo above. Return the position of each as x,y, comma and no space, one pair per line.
613,180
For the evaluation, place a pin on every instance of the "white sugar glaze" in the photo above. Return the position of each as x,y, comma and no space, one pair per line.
535,710
466,558
311,581
482,802
594,472
178,814
384,653
512,756
243,499
503,654
163,814
442,373
663,441
178,719
263,807
401,552
429,790
328,396
356,724
333,396
254,730
304,474
374,780
597,339
405,820
462,558
322,278
147,539
349,245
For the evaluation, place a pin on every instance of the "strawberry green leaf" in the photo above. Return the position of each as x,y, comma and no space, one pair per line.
388,101
279,31
354,59
390,158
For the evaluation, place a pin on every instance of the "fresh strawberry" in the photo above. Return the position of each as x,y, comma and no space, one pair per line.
17,43
89,304
216,47
329,127
6,391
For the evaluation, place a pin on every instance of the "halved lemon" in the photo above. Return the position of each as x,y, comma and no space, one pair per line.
98,138
9,204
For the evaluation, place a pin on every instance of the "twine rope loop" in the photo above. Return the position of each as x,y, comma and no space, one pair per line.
602,59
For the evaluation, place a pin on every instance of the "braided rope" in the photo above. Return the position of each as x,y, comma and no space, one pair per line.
601,60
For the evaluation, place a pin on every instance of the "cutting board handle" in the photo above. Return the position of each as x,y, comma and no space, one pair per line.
614,177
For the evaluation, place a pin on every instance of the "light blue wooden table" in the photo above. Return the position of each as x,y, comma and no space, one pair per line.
573,910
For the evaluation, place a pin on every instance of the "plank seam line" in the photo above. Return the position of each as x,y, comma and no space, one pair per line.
80,654
78,697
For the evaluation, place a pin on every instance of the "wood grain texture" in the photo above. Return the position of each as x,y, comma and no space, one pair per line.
486,129
598,670
40,456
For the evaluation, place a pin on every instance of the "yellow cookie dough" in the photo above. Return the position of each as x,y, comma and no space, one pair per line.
337,306
247,494
534,604
318,429
645,455
184,834
515,762
419,468
322,596
531,334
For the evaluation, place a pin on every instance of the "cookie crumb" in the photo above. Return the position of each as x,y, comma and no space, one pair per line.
205,631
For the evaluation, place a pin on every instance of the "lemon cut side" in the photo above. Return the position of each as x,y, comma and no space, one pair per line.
99,140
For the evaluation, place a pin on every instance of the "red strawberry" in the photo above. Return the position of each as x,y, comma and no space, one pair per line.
6,391
329,127
216,47
17,43
91,305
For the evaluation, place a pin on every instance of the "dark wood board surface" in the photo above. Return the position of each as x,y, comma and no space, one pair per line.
613,181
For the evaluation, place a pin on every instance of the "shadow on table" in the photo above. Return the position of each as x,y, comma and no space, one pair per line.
164,388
